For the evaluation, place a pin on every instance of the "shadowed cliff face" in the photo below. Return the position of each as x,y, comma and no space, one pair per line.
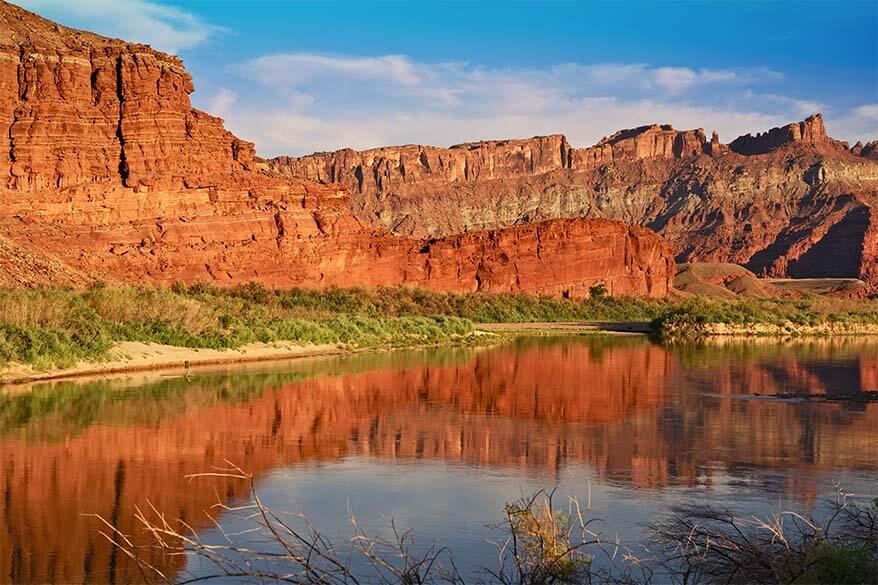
770,202
110,172
637,414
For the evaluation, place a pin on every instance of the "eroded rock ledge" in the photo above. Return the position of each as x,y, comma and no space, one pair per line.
78,108
382,169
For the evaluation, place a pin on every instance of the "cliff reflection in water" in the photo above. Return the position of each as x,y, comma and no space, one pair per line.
638,414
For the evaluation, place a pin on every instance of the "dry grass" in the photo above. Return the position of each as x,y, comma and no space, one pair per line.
128,305
27,308
296,552
703,545
539,544
59,327
544,544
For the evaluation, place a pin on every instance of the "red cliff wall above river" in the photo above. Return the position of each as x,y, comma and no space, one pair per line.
111,173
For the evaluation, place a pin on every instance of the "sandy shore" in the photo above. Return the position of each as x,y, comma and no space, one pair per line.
129,356
787,330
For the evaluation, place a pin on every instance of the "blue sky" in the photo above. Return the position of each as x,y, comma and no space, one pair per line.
296,77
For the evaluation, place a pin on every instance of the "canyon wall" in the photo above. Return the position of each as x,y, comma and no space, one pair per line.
78,109
306,237
791,202
111,173
558,258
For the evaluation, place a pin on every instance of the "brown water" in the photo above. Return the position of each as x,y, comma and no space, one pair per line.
438,439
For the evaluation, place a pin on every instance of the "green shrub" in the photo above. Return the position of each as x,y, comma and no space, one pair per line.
840,564
54,327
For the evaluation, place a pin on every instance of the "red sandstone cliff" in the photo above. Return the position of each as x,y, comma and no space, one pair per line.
787,202
79,108
111,172
558,258
421,168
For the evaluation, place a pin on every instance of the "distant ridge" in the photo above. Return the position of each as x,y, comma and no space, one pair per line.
789,202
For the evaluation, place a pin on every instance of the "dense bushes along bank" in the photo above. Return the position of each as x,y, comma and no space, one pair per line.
57,327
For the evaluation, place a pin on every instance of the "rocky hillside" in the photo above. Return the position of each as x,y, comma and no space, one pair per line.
110,172
790,202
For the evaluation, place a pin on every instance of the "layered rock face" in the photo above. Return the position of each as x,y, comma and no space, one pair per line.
790,202
110,172
79,108
868,150
320,247
559,258
420,168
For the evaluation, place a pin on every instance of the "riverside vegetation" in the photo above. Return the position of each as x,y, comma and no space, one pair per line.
49,328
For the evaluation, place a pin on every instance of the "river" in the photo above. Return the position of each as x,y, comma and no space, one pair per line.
436,439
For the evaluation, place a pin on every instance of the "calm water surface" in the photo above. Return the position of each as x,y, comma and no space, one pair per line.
436,439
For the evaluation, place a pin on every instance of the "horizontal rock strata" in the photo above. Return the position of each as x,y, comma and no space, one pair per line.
111,173
790,202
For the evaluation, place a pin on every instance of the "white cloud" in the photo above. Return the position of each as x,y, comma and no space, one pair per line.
293,69
221,102
801,108
302,102
678,79
861,123
166,28
675,79
867,112
448,82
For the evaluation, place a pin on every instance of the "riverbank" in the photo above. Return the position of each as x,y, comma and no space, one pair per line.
809,317
57,328
782,329
133,356
49,331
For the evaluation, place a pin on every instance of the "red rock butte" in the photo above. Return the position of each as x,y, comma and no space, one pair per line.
111,174
789,202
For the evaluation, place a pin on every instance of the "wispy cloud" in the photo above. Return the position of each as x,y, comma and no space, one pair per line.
293,69
867,112
166,28
302,102
796,106
221,102
449,82
861,123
